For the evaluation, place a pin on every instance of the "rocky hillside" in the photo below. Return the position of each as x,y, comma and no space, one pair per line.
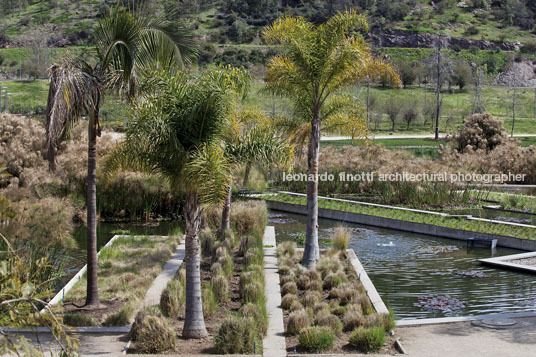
485,24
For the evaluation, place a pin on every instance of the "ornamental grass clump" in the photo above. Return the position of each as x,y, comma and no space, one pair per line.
287,301
331,321
260,316
210,304
341,238
345,293
289,288
236,335
172,299
310,298
334,279
316,339
296,305
286,249
78,320
315,285
220,287
352,319
253,292
327,265
367,340
296,321
154,335
206,239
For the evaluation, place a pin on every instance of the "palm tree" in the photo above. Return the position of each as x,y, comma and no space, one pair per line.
127,45
317,62
177,133
250,138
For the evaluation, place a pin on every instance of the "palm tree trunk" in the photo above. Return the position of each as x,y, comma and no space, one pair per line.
312,252
194,322
226,212
248,165
51,156
92,298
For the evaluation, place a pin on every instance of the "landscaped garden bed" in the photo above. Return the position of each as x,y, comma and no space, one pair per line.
234,307
126,270
412,216
326,309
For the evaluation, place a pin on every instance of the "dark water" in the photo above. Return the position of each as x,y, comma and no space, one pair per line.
412,266
498,215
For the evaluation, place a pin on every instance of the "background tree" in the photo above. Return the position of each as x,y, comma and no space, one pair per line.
318,61
177,133
127,45
392,108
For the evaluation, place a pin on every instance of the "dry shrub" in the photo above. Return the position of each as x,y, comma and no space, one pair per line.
327,265
296,321
341,238
206,238
286,279
338,310
220,287
172,299
366,305
287,301
334,279
289,288
302,282
320,307
286,249
296,305
216,269
47,222
253,292
352,319
345,293
236,335
310,298
246,217
331,321
315,285
480,132
154,335
312,275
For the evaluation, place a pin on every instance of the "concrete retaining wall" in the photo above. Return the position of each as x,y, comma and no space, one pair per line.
413,227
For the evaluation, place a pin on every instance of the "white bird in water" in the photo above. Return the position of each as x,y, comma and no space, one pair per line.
390,244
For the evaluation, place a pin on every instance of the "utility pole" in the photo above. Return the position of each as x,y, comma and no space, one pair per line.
514,99
438,90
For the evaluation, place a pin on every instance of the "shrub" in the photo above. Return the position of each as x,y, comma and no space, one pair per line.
366,305
388,321
320,306
121,317
78,320
333,280
341,238
246,217
312,275
154,335
209,301
172,299
286,249
220,288
237,334
326,265
331,321
480,131
289,288
227,265
345,293
302,282
246,242
296,321
252,256
216,269
296,305
253,292
261,318
367,340
352,320
286,279
310,298
338,310
315,285
316,339
287,301
206,237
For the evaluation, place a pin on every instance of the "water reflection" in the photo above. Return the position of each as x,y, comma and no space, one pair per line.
405,267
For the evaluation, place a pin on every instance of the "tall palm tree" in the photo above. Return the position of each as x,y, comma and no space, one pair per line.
127,46
177,133
318,61
250,138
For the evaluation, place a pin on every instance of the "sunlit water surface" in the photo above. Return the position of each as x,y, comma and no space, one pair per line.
406,267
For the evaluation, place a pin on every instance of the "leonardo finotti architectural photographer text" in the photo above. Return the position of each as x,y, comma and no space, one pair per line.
407,177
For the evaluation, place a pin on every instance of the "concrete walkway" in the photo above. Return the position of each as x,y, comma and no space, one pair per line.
152,297
274,343
402,136
465,339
